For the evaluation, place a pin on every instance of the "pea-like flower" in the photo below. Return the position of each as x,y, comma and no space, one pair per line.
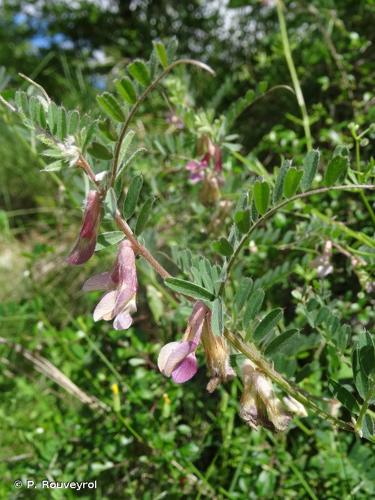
86,242
177,359
119,302
260,406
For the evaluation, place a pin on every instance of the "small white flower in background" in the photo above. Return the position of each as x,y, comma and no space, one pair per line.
322,263
260,406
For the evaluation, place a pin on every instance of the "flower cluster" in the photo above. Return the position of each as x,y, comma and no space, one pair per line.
178,360
260,406
120,284
199,171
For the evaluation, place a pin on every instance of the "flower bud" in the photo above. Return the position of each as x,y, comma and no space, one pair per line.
86,242
210,192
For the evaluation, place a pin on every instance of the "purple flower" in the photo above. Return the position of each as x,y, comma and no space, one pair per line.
177,359
121,285
86,242
197,170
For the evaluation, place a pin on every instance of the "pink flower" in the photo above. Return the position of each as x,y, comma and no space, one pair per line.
121,285
197,169
177,359
86,242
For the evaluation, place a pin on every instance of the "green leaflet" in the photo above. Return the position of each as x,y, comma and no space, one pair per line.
253,306
217,320
242,218
189,289
242,294
108,239
144,216
261,193
132,196
223,247
291,181
110,202
336,170
99,151
126,90
281,341
140,72
109,104
344,396
310,166
161,52
279,185
267,324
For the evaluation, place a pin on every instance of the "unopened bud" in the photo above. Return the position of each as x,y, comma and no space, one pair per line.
210,193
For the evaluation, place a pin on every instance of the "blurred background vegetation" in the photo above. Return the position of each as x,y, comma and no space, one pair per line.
169,441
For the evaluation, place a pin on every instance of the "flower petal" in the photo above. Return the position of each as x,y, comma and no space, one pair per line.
122,321
82,251
172,354
185,370
104,309
100,281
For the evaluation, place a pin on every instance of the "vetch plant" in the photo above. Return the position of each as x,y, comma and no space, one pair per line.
226,318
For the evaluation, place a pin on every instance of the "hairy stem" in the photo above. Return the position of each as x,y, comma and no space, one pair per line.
140,249
363,410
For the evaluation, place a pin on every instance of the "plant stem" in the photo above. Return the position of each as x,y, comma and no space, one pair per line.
140,249
293,74
364,408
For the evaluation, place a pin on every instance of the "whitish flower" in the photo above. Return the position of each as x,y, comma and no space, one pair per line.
260,406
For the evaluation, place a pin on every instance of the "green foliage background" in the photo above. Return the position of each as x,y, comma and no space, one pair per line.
171,441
